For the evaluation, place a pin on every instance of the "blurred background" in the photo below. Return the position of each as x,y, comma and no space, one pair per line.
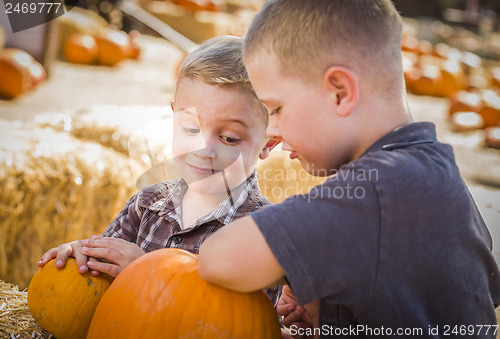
76,91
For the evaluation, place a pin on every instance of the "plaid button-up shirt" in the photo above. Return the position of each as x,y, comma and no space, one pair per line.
152,218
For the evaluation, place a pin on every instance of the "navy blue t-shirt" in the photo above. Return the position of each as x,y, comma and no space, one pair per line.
393,245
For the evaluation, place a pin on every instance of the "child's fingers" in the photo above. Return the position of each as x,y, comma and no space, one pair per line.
105,242
62,256
294,316
285,309
103,267
285,334
93,272
101,253
49,255
81,262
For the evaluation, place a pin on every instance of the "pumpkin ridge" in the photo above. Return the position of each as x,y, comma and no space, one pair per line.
197,299
180,288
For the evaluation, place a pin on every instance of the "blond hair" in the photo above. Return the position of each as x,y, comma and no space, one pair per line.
219,61
309,36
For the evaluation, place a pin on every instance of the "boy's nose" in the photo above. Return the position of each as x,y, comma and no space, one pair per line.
273,133
206,153
207,148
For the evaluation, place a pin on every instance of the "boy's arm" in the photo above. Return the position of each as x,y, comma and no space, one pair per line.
238,257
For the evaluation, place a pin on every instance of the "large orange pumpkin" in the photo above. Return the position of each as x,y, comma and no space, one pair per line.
63,301
161,295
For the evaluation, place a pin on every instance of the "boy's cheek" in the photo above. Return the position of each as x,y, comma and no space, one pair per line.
228,154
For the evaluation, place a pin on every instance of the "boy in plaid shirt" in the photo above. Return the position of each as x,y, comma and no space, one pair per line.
219,134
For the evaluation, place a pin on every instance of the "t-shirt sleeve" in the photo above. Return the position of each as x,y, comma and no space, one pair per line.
327,241
126,223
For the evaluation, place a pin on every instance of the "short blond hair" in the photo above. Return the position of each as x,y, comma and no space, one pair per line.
309,36
219,61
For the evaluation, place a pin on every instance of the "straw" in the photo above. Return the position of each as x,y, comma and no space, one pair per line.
15,318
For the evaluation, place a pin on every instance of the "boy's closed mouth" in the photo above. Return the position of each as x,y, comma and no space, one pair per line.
203,170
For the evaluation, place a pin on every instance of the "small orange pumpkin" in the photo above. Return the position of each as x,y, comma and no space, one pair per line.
492,138
410,43
63,301
81,49
490,111
135,49
427,80
15,77
495,76
463,101
197,5
114,46
161,295
453,78
37,73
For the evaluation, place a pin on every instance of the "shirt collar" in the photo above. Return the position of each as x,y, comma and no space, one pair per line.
411,134
225,212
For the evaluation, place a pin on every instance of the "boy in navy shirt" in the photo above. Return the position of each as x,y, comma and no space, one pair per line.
393,245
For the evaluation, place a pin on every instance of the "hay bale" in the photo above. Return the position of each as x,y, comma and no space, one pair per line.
281,177
15,318
142,133
54,188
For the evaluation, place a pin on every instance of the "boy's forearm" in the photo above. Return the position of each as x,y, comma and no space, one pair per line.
238,257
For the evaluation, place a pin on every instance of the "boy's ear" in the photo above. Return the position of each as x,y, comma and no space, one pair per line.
343,86
268,148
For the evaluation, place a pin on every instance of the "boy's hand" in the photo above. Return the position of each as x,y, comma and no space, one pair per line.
306,316
62,252
117,254
285,334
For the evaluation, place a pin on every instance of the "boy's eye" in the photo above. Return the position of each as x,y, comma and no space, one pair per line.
275,111
191,131
229,140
